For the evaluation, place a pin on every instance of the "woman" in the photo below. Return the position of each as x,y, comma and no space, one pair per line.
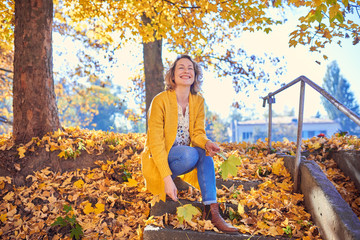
176,140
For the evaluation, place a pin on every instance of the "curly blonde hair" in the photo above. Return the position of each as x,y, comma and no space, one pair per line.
170,76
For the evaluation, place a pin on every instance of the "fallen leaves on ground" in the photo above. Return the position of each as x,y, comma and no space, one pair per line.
107,203
110,201
271,208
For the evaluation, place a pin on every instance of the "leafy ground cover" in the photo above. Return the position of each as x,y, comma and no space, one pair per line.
110,200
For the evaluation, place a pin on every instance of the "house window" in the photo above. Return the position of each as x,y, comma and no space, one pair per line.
323,131
311,134
246,135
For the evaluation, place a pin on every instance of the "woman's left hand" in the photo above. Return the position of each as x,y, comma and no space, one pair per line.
212,148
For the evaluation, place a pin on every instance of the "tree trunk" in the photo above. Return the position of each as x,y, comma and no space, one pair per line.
35,109
154,77
154,69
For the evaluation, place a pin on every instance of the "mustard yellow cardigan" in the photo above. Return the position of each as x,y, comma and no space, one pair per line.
161,134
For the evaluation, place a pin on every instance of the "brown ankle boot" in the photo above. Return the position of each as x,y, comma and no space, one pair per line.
212,212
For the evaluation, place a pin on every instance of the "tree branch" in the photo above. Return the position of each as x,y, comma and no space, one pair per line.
346,29
357,11
168,1
179,10
351,6
6,70
5,120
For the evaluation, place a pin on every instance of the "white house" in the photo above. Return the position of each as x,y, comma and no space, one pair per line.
252,130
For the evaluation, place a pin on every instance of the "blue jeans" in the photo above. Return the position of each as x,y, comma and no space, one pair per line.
183,159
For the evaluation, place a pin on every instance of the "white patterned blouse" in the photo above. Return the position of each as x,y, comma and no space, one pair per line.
183,135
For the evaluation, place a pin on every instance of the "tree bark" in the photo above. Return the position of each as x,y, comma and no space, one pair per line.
154,69
34,102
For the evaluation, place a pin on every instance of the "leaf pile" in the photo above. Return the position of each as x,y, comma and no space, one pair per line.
110,201
73,140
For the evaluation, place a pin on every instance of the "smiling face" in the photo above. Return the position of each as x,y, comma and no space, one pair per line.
184,73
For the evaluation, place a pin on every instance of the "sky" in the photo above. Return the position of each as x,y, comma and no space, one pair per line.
300,61
219,93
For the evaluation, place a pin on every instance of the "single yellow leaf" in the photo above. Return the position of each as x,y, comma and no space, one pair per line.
53,147
284,185
229,166
99,208
9,196
104,167
315,146
21,151
278,167
155,200
270,215
285,222
3,217
88,208
149,221
89,143
241,209
90,176
131,182
41,185
186,213
275,231
79,183
62,154
262,225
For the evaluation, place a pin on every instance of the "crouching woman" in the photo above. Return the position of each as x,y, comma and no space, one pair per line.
176,141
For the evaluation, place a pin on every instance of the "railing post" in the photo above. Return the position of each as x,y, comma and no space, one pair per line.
299,138
271,100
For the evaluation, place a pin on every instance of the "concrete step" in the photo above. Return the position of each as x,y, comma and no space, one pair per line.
152,232
170,206
247,185
157,233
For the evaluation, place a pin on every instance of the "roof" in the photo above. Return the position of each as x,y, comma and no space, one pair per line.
286,120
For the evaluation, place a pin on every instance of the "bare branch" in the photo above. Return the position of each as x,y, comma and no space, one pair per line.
350,5
5,120
6,70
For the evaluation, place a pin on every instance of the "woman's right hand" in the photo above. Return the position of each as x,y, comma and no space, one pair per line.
170,188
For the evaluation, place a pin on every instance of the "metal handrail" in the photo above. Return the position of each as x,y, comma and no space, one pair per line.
270,99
